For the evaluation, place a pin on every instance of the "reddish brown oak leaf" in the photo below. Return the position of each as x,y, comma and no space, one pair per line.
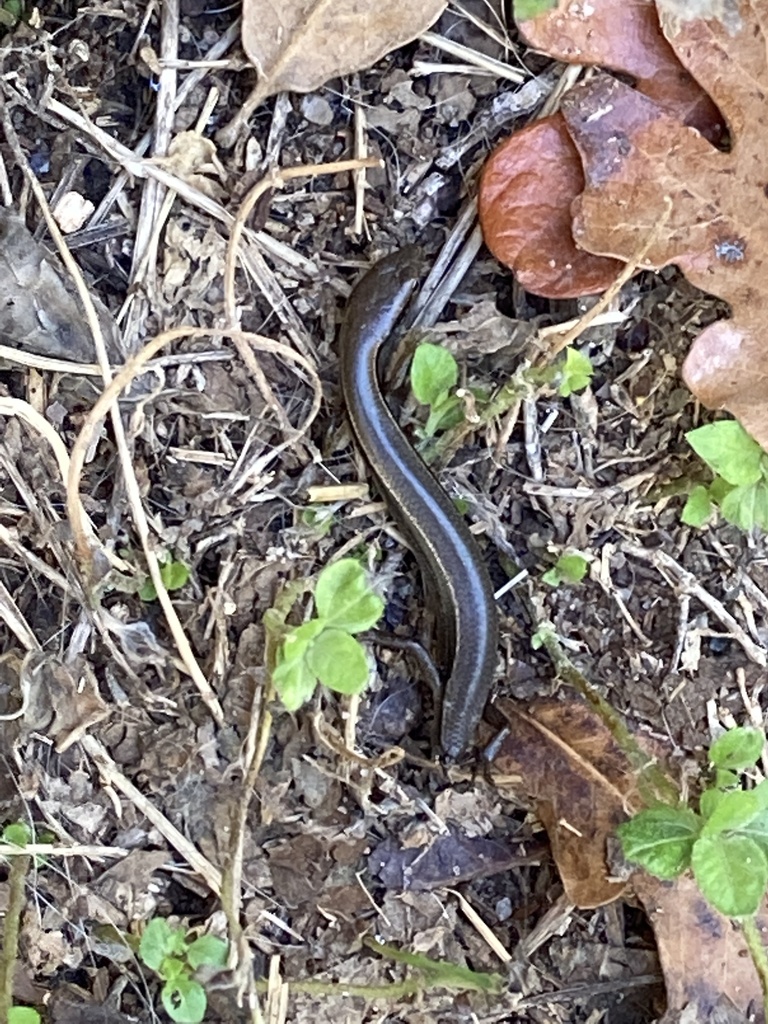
524,203
530,180
638,159
626,37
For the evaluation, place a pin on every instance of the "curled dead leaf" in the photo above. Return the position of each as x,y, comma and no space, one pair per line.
38,311
193,158
628,38
59,703
524,203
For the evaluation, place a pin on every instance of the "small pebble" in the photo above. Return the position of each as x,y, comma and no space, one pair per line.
316,109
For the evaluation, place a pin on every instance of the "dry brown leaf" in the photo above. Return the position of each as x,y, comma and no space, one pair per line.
531,179
524,203
582,784
38,312
635,155
60,703
703,954
628,38
193,158
298,45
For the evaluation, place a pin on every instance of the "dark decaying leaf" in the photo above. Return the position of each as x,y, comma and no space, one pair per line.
703,955
582,785
448,860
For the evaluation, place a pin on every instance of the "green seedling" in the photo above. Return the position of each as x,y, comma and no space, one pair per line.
525,9
324,649
573,373
540,637
23,1015
175,956
19,834
740,486
434,376
724,842
569,568
318,520
10,13
174,575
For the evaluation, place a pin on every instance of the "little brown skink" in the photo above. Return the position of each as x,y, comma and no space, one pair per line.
454,573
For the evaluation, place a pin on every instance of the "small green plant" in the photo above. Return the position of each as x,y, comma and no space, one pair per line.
174,956
10,13
318,520
740,486
725,843
324,648
174,575
525,9
23,1015
541,636
434,375
18,833
569,568
573,373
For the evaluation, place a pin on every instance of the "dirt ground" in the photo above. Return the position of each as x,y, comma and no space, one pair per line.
310,845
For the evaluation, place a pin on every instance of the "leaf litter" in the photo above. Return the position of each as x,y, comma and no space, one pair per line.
717,228
642,163
156,783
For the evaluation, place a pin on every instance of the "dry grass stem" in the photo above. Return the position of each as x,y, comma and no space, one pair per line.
690,585
473,57
113,777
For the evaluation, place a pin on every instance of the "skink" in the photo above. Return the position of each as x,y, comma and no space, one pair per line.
455,577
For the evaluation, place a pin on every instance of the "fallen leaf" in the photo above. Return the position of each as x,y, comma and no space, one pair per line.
68,1004
583,786
703,954
449,859
128,884
524,203
531,180
299,868
38,312
58,702
299,45
193,158
635,155
626,37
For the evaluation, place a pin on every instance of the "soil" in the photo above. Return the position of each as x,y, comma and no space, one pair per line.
324,844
